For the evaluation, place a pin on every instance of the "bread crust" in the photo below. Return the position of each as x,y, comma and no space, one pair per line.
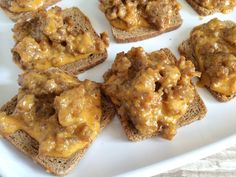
58,166
23,15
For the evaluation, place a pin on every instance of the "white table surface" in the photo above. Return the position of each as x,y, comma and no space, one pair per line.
222,164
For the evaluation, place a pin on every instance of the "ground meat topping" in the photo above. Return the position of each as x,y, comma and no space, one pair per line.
214,46
152,89
60,112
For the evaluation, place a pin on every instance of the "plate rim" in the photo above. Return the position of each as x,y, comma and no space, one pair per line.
182,159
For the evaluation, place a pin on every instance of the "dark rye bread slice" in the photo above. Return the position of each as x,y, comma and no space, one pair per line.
185,49
196,111
82,23
202,10
122,36
5,5
58,166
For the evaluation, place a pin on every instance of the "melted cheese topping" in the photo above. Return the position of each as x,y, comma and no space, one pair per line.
131,21
61,124
224,6
130,15
137,23
52,40
25,5
151,90
214,49
43,56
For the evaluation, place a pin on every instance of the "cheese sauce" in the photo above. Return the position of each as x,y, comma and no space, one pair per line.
19,6
130,15
214,47
52,40
63,117
151,89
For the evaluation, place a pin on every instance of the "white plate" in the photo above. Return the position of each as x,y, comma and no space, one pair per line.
112,154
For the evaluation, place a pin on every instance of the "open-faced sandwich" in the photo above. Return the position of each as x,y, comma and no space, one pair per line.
208,7
212,48
153,93
135,20
54,118
58,38
24,9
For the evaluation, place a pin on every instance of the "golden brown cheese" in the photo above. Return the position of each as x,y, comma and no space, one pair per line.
153,90
224,6
19,6
50,40
63,118
129,15
214,47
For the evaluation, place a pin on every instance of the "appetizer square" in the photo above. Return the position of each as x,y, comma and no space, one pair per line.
138,20
58,38
211,47
153,93
55,118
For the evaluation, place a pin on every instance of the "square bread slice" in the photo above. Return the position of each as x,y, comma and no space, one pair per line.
82,23
202,10
58,166
196,111
4,4
142,33
185,49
